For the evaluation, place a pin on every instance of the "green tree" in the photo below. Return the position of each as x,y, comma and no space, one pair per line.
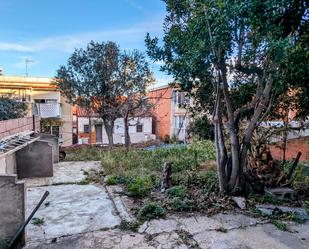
91,80
134,78
11,108
202,128
238,56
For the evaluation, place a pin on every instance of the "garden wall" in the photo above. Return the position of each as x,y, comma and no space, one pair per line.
293,147
13,126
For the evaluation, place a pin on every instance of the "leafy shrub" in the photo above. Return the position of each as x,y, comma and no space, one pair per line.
140,187
151,210
177,191
111,180
181,204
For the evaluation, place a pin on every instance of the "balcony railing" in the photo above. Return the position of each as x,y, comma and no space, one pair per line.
47,110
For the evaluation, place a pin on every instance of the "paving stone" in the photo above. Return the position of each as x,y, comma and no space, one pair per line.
258,237
232,221
267,209
72,209
167,241
197,224
158,226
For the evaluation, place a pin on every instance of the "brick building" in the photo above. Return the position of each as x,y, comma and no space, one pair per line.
170,118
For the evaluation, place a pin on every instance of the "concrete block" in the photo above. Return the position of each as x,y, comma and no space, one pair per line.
281,193
12,205
35,160
53,141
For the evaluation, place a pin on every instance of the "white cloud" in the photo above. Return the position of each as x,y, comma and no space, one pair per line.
15,47
67,43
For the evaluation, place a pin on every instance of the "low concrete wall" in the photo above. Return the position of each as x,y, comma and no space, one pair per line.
8,164
13,126
12,205
35,160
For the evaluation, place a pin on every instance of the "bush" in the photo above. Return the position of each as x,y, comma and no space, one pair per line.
177,191
181,204
151,210
140,187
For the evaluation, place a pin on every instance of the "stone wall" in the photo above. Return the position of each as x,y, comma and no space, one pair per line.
13,126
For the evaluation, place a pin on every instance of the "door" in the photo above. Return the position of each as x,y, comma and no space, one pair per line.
98,134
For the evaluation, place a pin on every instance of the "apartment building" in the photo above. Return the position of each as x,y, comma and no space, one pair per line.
171,119
43,100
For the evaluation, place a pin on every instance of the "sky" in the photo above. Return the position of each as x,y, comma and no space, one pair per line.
47,31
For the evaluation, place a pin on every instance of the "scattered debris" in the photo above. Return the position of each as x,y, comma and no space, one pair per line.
268,209
240,201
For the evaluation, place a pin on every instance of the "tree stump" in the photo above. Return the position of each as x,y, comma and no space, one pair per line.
166,179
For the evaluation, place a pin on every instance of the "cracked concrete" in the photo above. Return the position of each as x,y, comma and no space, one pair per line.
86,216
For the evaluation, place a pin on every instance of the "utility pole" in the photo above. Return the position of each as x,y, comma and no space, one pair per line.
26,63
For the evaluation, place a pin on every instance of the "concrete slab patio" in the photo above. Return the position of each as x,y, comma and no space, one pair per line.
70,208
86,216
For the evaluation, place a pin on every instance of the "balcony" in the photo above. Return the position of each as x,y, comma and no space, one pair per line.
47,110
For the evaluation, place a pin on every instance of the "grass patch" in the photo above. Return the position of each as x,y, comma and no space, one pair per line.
280,225
84,153
129,226
143,162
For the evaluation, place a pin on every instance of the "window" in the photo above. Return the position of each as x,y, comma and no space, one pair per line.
179,98
179,122
86,128
139,128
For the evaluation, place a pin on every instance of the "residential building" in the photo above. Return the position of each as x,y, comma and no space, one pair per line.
171,118
44,100
90,128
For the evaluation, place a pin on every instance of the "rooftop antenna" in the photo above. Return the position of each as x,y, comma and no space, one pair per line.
26,63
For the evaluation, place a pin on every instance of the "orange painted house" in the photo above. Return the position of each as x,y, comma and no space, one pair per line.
168,117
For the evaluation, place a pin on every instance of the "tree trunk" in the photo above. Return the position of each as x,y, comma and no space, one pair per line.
126,132
221,153
233,177
109,127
